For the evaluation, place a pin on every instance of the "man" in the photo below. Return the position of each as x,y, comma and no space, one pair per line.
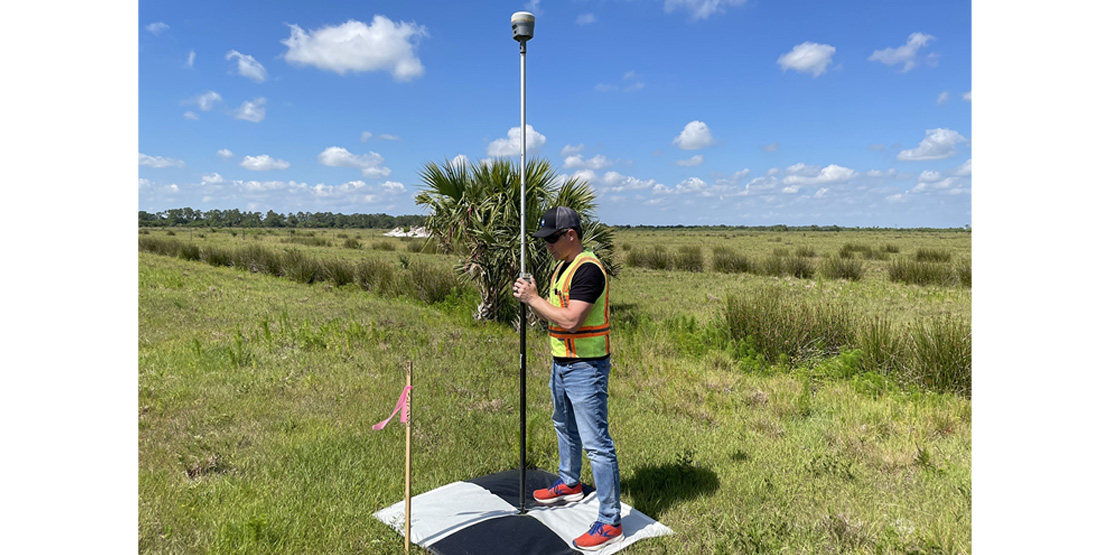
576,305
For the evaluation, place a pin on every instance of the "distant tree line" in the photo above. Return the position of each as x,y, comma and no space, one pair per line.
188,217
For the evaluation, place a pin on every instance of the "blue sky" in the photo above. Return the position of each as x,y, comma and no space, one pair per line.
677,112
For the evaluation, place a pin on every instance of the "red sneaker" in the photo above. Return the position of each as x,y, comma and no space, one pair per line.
558,492
600,535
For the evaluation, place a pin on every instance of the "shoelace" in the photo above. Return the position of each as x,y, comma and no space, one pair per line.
596,529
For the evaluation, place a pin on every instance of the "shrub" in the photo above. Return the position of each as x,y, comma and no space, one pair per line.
730,262
376,276
351,243
933,255
189,251
689,259
842,268
773,266
337,271
255,258
920,273
170,232
806,252
215,256
880,348
848,249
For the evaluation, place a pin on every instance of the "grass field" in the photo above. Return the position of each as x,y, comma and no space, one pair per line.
257,393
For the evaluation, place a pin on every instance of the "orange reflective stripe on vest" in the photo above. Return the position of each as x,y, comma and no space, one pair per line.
591,339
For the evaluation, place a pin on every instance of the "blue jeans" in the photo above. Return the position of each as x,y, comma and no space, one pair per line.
580,392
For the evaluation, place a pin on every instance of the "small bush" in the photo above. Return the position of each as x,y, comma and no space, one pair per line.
848,249
351,243
255,258
799,267
189,251
842,268
933,255
728,261
940,355
880,348
773,266
216,256
689,259
300,268
376,276
806,252
339,272
920,273
170,232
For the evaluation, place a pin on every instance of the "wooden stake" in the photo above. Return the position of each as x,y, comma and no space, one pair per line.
408,459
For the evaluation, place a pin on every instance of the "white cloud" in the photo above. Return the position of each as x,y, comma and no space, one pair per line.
370,163
967,96
929,176
688,185
828,175
614,182
252,110
821,192
534,7
159,161
965,169
157,27
172,189
596,163
773,147
808,57
366,136
905,54
205,100
144,183
394,186
694,160
942,99
881,173
191,59
694,136
568,150
586,19
224,153
190,115
388,137
510,145
460,161
330,191
938,144
354,46
700,9
248,66
263,163
212,178
603,87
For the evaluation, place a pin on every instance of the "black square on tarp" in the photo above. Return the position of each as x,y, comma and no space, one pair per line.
506,485
507,535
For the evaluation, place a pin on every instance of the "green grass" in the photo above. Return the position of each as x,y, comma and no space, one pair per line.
256,394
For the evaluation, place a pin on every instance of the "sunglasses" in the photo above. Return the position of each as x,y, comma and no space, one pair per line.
551,239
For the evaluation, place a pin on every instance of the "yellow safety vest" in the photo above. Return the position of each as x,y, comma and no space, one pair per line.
591,340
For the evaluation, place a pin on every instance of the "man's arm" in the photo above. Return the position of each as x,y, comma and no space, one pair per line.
569,318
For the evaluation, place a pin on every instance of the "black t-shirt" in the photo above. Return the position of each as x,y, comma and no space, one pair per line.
587,284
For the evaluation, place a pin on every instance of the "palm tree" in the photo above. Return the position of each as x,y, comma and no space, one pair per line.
475,209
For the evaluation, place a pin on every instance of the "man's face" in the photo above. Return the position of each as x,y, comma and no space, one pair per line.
561,246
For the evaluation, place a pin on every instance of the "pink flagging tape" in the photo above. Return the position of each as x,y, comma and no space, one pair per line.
401,406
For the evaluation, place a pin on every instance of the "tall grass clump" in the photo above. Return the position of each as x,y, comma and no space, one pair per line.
352,243
727,260
689,259
655,258
298,267
773,266
890,248
834,267
963,271
431,284
939,355
189,251
779,328
256,258
881,348
799,267
337,271
216,256
848,249
307,240
376,276
159,245
932,255
384,246
804,251
920,273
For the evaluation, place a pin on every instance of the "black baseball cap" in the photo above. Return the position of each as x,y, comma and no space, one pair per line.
555,220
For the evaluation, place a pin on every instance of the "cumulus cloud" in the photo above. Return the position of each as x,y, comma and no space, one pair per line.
263,163
205,100
366,136
882,173
694,136
938,144
905,54
371,163
801,174
510,145
808,57
191,59
967,96
190,115
356,47
569,149
251,110
159,161
614,182
460,161
688,185
965,169
596,163
394,186
224,153
157,27
694,160
212,178
248,67
700,9
586,19
942,99
929,176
